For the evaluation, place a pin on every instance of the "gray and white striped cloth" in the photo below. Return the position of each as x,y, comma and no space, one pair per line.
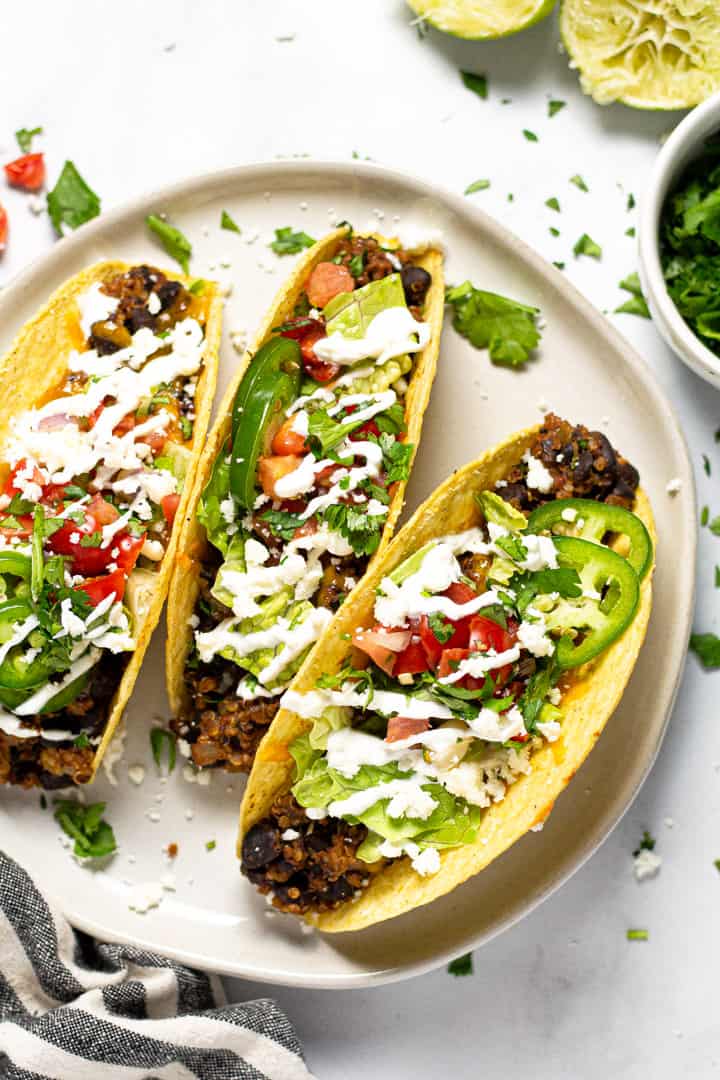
72,1008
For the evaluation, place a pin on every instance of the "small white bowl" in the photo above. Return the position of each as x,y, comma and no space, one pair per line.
685,143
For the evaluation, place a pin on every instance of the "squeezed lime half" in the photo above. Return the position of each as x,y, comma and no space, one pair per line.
651,54
480,19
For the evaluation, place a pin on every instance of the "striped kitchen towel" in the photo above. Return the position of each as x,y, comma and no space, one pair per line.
72,1008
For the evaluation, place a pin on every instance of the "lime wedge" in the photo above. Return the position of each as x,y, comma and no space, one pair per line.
481,18
652,54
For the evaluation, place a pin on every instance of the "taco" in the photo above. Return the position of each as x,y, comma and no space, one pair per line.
105,400
300,485
461,686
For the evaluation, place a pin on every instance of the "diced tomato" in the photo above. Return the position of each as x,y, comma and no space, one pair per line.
126,424
272,469
486,634
368,428
460,593
95,415
298,328
382,645
287,440
327,281
26,172
154,439
169,504
24,530
322,478
89,561
450,660
434,648
412,660
11,488
128,548
98,588
3,227
308,528
317,369
402,727
103,511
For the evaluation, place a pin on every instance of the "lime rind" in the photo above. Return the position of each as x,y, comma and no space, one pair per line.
651,54
481,19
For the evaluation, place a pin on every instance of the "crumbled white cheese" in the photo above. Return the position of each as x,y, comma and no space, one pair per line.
136,773
646,864
673,486
538,477
145,896
290,834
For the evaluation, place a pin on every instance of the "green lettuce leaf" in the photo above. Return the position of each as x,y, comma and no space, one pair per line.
208,512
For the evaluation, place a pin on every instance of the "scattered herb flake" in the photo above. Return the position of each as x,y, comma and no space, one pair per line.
587,246
707,649
630,231
646,844
637,304
530,135
716,864
477,83
553,204
505,327
161,740
717,577
578,181
554,106
210,845
715,526
553,231
93,836
706,465
463,965
477,185
704,515
559,265
287,242
226,222
638,935
176,244
197,289
631,201
81,742
71,202
25,137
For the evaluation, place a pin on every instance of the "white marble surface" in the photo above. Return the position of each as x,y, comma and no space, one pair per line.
142,94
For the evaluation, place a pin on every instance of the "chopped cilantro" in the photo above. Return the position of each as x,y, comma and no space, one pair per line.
553,203
226,222
646,844
360,530
92,835
513,547
477,185
81,742
282,523
186,428
530,135
630,231
553,231
715,526
630,201
716,864
707,649
210,845
559,265
477,83
287,242
357,264
442,630
176,244
706,464
71,202
587,246
578,181
717,577
161,740
198,287
463,965
636,305
396,457
704,515
25,137
637,935
554,107
91,540
505,327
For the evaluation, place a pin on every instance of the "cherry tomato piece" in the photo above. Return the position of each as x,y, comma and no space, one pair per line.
327,281
26,172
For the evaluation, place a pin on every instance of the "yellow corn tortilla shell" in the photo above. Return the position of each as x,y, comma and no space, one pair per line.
192,549
37,364
587,706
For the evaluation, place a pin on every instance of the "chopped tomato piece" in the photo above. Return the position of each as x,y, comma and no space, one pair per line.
169,504
287,440
412,660
89,558
308,528
368,428
11,488
98,588
317,369
434,648
402,727
327,281
450,660
154,439
128,548
298,328
486,634
126,424
95,415
272,469
382,645
25,528
3,227
460,593
103,511
26,172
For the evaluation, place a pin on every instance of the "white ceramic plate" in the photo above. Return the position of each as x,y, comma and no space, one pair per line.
584,370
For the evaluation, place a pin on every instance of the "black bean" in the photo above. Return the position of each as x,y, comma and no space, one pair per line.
139,317
261,845
415,283
167,293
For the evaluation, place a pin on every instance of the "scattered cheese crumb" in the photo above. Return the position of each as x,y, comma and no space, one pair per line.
145,896
673,486
136,773
646,864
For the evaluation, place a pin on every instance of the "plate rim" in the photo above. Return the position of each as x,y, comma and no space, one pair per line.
194,185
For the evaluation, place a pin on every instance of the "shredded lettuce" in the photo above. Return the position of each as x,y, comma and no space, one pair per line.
209,513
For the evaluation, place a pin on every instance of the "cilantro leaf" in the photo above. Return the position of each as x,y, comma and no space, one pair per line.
463,965
357,264
477,83
160,739
361,530
282,523
646,844
477,185
442,629
587,246
636,305
287,242
93,836
578,181
637,935
71,202
396,457
392,420
707,649
530,135
554,107
226,222
176,244
25,137
505,327
553,203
